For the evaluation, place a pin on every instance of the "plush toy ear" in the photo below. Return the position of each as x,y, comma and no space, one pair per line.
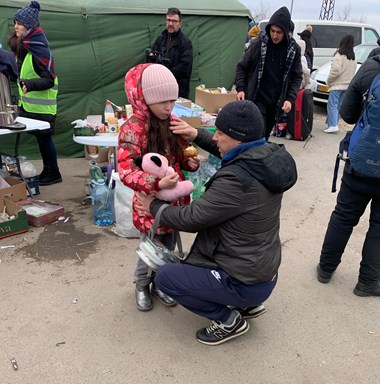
138,161
156,160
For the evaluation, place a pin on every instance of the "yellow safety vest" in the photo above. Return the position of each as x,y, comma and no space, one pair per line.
42,102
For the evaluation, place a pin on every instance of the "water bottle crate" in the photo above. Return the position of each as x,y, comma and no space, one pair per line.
34,184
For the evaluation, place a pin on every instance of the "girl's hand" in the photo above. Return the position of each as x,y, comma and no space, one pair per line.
193,163
179,127
169,181
143,201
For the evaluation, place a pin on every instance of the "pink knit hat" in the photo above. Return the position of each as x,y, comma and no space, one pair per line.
158,84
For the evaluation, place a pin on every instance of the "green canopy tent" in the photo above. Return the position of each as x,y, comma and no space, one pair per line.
94,43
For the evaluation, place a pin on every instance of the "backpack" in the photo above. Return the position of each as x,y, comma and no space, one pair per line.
361,146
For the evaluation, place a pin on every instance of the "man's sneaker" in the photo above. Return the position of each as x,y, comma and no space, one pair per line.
217,333
250,312
364,290
322,276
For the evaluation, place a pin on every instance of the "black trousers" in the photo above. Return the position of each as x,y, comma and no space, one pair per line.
354,196
269,116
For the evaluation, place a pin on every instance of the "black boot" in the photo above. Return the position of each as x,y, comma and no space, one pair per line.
44,173
363,290
53,177
143,299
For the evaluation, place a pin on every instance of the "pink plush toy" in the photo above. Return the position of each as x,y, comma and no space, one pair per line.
158,165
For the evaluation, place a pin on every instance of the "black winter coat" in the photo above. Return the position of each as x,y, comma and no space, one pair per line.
180,55
238,217
352,104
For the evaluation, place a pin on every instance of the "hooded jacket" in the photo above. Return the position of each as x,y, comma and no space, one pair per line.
238,216
133,143
249,70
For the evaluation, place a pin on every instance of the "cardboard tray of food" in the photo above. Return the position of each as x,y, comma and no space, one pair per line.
40,212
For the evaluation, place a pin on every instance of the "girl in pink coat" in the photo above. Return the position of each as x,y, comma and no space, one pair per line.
151,90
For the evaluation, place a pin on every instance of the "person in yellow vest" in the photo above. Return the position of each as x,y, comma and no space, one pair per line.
37,84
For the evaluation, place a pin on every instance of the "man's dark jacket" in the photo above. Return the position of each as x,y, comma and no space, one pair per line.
238,216
352,104
180,55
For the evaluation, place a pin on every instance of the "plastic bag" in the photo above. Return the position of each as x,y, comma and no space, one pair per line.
28,169
123,210
200,177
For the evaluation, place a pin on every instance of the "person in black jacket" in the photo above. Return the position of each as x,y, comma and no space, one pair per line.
232,266
355,193
174,45
270,72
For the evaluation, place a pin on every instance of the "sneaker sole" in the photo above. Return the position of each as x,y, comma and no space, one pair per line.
238,333
254,315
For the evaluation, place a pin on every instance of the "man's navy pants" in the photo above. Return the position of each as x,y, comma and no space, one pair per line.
209,292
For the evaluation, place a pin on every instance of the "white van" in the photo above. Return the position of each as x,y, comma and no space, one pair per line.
327,34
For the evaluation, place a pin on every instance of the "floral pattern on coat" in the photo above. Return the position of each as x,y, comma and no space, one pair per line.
133,143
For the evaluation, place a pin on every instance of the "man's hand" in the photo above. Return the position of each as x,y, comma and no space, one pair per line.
179,127
143,201
287,106
240,95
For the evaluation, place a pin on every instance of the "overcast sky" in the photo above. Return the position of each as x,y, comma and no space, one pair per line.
367,10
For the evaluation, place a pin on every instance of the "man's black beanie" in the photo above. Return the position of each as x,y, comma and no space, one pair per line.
241,120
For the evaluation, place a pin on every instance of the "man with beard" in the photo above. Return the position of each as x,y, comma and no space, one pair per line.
174,45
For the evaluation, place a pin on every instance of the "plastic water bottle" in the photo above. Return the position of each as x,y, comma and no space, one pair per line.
102,201
95,171
108,111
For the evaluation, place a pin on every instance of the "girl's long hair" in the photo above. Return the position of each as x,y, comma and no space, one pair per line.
160,137
346,47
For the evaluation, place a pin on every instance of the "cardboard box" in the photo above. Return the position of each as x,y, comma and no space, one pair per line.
19,224
16,191
186,114
195,122
212,102
183,102
40,212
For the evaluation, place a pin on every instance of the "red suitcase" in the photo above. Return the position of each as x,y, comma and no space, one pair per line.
300,118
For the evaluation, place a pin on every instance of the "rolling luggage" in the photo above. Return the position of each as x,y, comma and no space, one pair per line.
300,118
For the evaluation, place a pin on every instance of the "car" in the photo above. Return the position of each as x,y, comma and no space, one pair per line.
318,78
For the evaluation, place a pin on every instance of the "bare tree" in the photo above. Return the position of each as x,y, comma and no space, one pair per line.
261,11
345,14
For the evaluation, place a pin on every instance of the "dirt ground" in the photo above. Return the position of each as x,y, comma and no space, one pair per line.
68,314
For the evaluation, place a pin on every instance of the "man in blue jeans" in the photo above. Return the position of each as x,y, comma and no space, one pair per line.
232,266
